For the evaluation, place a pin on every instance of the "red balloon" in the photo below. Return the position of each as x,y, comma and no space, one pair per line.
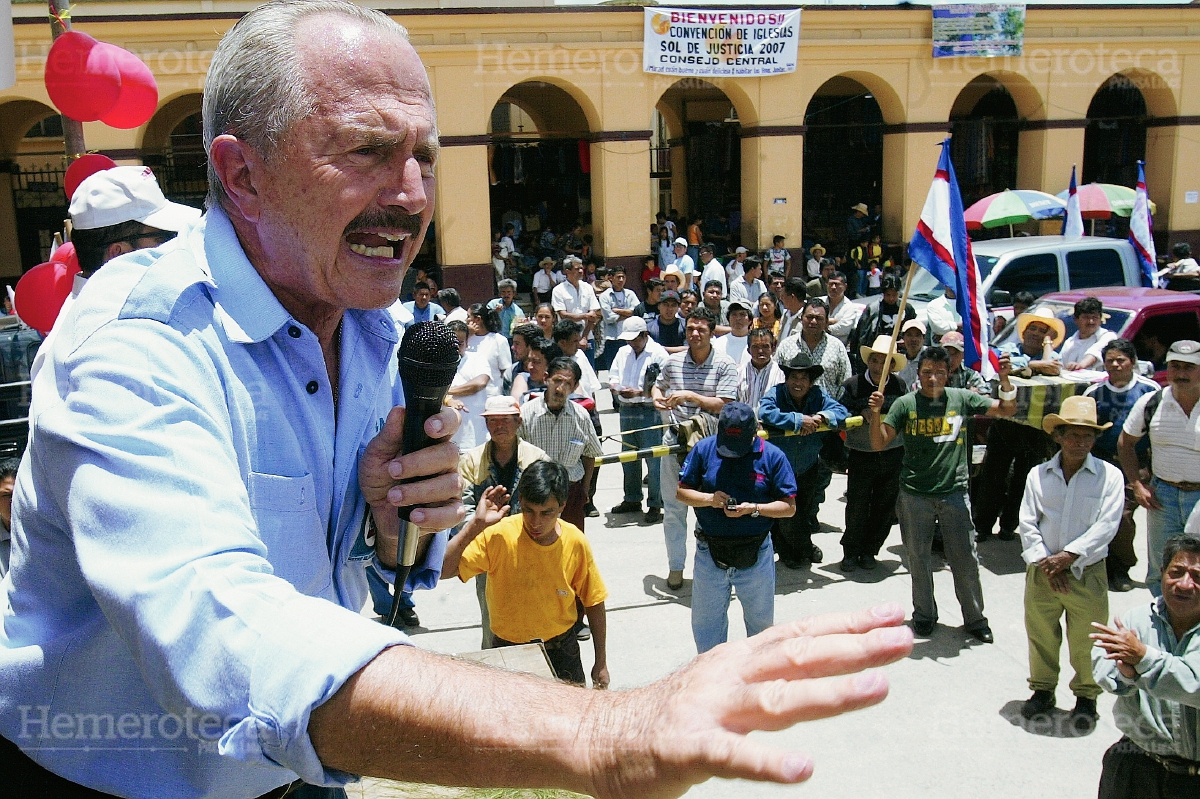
66,255
83,168
41,292
139,91
83,80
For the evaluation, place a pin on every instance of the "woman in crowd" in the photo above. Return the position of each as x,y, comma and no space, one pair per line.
769,314
666,252
488,344
532,382
545,317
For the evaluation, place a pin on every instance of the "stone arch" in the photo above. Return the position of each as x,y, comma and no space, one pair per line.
1026,97
16,118
579,114
156,135
985,137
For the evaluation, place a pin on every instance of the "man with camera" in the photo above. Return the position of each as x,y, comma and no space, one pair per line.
738,483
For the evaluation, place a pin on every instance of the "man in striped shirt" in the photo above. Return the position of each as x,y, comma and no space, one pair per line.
759,372
695,381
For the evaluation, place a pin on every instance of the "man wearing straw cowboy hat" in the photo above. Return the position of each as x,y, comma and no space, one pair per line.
872,478
1012,445
813,267
1070,512
933,482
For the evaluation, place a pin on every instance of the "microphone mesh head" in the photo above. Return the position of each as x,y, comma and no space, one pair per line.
428,353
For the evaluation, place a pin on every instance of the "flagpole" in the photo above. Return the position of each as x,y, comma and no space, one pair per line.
887,365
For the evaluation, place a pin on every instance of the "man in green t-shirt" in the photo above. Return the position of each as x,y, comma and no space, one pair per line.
933,482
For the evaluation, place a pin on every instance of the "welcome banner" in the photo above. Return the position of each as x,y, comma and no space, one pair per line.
714,44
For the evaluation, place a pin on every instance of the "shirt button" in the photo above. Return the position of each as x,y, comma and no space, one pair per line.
312,387
294,331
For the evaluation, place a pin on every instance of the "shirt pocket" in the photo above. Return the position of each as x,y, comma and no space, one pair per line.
285,511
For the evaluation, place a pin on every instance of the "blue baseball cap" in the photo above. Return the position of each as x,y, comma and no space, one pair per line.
737,428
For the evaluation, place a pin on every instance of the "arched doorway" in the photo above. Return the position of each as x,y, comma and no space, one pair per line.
1115,139
539,165
33,155
174,148
843,159
985,134
706,159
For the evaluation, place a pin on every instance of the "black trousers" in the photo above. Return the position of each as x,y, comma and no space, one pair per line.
872,486
792,538
1129,774
1013,449
28,780
563,652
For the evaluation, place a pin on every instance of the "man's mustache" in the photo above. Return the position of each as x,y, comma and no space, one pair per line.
376,218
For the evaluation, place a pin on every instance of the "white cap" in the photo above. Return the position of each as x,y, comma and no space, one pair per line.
501,405
127,194
740,250
681,242
914,324
631,328
1185,350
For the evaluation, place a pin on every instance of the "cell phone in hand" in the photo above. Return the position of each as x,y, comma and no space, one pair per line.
731,504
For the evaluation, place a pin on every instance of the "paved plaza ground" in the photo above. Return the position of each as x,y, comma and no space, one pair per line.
950,728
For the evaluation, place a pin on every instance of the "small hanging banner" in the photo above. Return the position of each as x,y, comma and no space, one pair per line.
978,29
713,44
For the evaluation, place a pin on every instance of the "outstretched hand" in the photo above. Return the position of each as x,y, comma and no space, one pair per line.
693,724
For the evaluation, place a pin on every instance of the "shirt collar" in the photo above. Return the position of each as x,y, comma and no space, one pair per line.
251,311
1089,463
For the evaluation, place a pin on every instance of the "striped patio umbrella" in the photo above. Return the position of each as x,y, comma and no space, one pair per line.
1105,200
1012,207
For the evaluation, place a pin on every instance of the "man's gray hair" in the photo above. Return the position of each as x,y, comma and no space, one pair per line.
255,89
506,283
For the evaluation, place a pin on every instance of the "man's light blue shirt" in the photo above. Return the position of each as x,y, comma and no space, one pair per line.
426,314
187,564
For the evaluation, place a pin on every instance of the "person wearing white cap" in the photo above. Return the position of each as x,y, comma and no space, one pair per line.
114,211
962,376
735,267
1171,417
683,261
616,305
734,343
498,461
636,365
912,341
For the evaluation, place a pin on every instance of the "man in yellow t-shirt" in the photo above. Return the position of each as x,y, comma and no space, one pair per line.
537,565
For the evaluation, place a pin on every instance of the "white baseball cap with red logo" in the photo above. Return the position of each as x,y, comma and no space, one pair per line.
127,194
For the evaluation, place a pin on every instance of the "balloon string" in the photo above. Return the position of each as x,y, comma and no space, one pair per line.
60,17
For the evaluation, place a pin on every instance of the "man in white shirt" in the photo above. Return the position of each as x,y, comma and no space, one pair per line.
813,267
575,299
616,305
758,372
1174,430
943,315
712,270
735,341
735,267
1084,349
545,280
635,365
792,298
749,287
843,313
1069,513
684,262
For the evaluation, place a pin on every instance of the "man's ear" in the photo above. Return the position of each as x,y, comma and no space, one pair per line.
239,168
115,249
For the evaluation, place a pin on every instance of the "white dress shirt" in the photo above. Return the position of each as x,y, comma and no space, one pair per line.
1080,516
628,370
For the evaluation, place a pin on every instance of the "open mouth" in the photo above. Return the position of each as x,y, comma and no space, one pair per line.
372,244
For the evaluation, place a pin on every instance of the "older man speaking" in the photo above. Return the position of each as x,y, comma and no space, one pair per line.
198,505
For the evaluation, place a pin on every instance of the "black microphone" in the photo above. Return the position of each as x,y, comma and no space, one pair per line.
428,360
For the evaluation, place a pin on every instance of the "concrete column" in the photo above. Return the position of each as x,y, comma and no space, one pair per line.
1045,156
909,162
461,215
772,169
1176,215
621,217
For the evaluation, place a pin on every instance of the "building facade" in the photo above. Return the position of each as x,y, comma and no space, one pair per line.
549,106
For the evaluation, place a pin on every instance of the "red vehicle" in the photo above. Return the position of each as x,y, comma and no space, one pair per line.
1153,319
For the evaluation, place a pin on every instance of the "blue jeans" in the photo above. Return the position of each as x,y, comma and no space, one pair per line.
675,513
1163,524
381,595
635,417
918,515
711,588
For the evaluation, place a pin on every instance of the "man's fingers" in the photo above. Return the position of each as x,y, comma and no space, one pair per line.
737,757
435,459
429,491
779,704
443,423
858,621
442,517
829,655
